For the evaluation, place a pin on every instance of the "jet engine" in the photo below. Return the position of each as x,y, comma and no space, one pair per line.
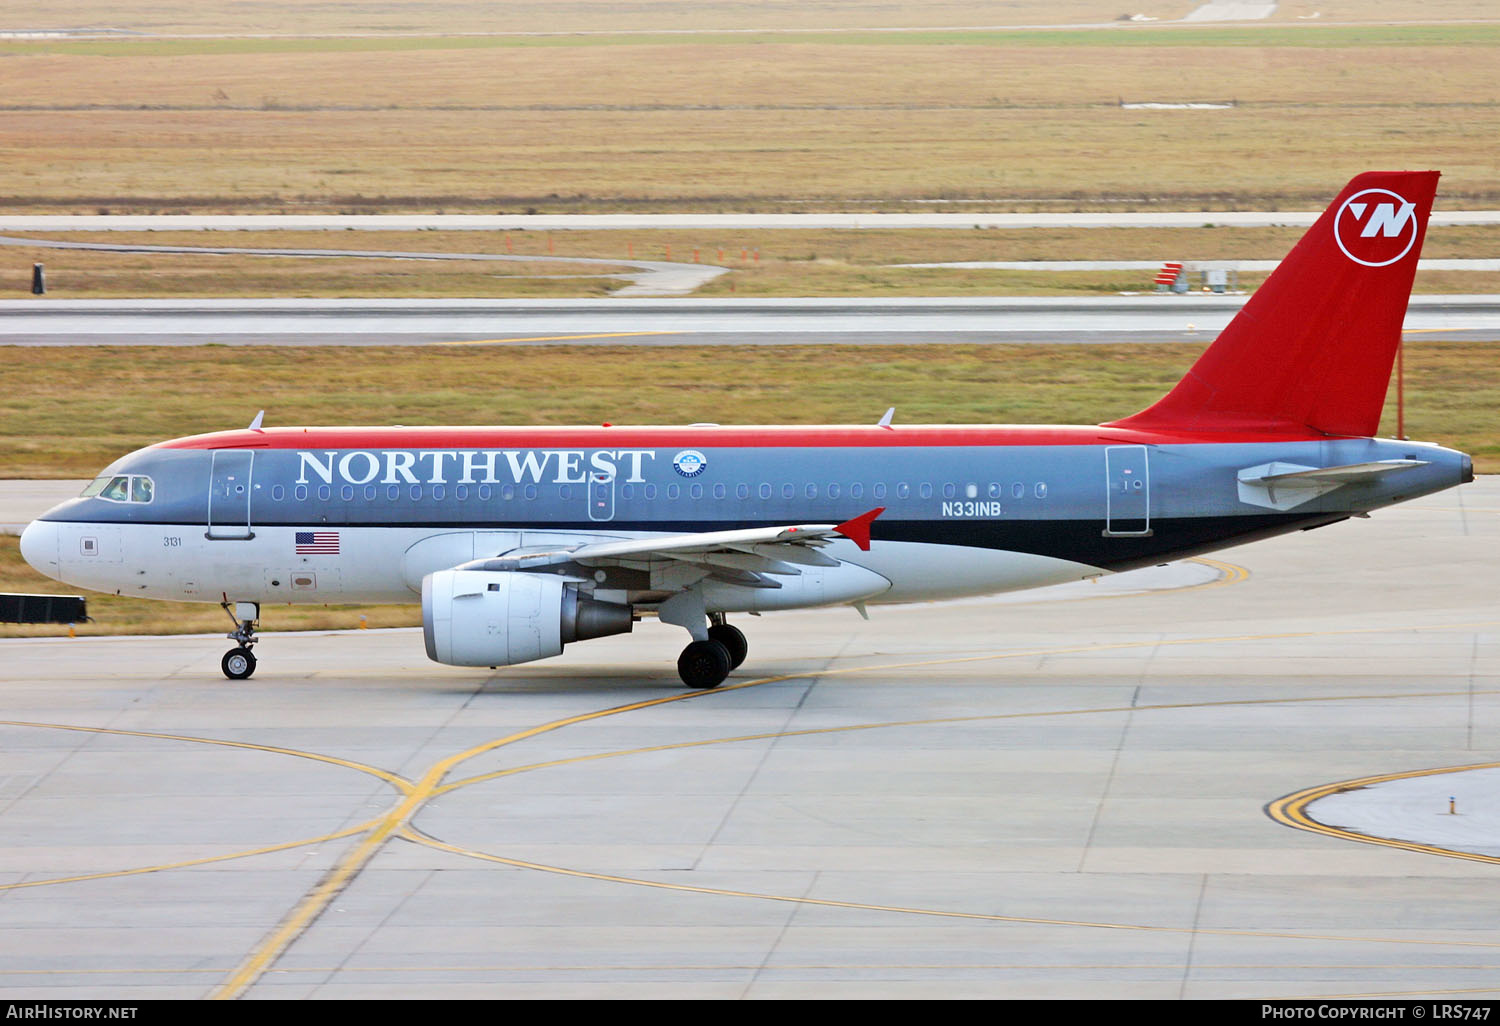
497,618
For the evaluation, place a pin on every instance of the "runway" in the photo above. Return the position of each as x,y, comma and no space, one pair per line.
1046,796
684,321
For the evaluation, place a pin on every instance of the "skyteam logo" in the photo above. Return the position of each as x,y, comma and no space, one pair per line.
1375,227
689,462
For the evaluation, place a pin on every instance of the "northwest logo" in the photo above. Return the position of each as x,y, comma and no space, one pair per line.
1375,227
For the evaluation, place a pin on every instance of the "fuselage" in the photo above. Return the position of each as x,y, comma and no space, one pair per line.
319,515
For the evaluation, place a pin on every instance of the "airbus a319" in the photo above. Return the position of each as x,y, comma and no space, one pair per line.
520,540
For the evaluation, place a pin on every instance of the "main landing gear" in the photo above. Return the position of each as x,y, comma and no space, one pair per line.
704,664
239,663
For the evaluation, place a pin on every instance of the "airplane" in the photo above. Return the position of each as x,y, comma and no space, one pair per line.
521,540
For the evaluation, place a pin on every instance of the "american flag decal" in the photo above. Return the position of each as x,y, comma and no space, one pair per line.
317,543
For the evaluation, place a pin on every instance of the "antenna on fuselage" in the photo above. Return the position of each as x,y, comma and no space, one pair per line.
255,424
885,421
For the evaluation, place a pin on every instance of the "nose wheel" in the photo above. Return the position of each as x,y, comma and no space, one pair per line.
239,663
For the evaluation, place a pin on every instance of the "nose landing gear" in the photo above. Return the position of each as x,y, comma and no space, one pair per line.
239,663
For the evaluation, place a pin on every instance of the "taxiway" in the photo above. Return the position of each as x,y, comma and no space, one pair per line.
1057,795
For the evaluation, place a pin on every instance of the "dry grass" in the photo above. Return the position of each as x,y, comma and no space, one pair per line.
68,412
770,125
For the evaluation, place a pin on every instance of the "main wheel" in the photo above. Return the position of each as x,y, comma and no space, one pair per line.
703,664
238,663
733,639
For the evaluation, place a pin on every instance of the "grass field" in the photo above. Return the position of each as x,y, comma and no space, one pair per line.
776,122
67,413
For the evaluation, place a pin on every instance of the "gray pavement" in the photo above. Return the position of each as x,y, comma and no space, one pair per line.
23,501
647,277
649,321
1012,799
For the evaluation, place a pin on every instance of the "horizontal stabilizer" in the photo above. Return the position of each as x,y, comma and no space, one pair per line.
1285,485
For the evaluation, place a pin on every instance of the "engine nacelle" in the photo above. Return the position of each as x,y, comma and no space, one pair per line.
498,618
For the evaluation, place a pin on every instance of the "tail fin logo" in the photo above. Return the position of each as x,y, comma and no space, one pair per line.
1375,227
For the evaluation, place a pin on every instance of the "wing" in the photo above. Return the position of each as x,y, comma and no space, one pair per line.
747,557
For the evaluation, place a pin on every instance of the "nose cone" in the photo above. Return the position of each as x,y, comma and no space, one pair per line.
39,546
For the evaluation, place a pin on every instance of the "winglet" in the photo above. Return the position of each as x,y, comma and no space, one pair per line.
858,529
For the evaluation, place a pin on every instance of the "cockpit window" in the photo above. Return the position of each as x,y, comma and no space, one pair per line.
121,488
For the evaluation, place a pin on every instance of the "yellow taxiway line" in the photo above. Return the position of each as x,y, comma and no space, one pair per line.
1291,811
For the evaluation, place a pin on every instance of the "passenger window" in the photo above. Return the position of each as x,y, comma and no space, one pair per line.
812,491
856,490
438,492
719,491
1041,489
995,490
765,491
564,492
416,493
324,493
697,491
742,491
392,493
833,491
903,490
650,491
787,491
673,491
926,490
1017,490
278,493
460,492
347,493
370,492
880,490
948,490
530,491
300,494
627,491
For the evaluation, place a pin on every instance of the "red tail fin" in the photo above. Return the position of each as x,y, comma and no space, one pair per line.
1313,347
